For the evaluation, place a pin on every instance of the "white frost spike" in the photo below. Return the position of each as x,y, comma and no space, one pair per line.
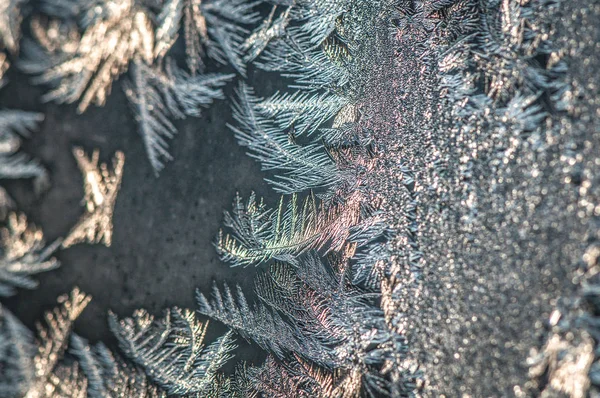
13,165
4,64
48,377
23,254
158,96
267,31
301,167
168,26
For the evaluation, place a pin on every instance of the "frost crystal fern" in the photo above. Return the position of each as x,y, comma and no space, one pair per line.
171,350
24,253
85,47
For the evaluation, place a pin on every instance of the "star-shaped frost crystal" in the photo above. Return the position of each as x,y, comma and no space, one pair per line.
101,187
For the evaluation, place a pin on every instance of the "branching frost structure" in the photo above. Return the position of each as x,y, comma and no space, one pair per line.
24,253
443,123
214,27
61,364
109,376
32,369
260,234
84,48
454,156
15,124
170,354
158,96
83,68
101,187
303,166
171,350
329,323
13,164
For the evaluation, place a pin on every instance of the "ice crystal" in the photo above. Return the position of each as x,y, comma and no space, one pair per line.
171,350
269,30
13,164
455,155
260,325
24,253
83,68
260,234
308,310
101,187
62,364
34,369
418,104
53,342
285,132
4,64
566,366
214,27
158,96
308,65
16,355
304,166
109,376
278,380
81,60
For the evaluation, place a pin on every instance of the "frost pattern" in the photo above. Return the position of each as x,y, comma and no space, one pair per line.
24,253
439,123
84,47
61,364
454,156
171,350
101,187
158,96
13,164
